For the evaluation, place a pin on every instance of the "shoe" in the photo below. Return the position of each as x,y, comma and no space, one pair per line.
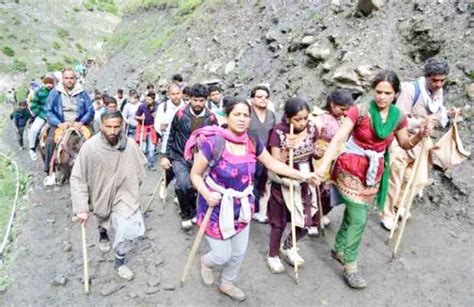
233,292
339,256
124,272
355,280
207,273
387,223
104,246
50,181
194,220
292,256
162,190
313,231
186,225
325,221
402,213
33,155
176,201
260,218
275,265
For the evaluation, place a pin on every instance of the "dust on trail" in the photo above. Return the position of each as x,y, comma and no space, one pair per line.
435,267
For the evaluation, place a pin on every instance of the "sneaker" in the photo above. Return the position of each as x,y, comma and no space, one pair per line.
186,225
355,280
339,256
387,223
275,265
194,220
124,272
233,292
260,218
313,231
33,155
291,256
176,201
207,273
104,246
402,213
50,181
325,220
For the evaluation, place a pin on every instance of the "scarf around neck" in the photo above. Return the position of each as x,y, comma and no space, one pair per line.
200,135
382,131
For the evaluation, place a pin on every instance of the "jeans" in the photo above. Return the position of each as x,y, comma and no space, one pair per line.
149,149
49,149
20,131
184,189
229,253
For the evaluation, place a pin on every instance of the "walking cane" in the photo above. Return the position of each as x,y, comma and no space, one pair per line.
406,192
292,204
196,243
321,213
85,259
410,200
152,197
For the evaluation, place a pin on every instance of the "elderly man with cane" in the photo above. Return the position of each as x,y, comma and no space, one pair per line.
106,179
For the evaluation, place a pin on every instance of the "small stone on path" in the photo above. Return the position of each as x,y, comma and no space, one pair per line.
153,282
111,289
153,290
169,287
59,281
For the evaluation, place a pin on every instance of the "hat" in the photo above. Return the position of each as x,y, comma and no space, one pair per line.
48,79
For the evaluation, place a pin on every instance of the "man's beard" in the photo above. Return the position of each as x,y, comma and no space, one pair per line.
113,139
197,111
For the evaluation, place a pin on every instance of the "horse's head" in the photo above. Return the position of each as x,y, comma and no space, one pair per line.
70,146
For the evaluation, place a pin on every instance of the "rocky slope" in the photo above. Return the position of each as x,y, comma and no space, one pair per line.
301,48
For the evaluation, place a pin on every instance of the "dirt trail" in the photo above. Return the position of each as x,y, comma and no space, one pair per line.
435,267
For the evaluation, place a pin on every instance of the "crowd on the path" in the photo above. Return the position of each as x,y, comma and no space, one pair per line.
236,157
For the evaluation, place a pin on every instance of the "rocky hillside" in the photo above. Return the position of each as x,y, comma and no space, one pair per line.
44,36
297,47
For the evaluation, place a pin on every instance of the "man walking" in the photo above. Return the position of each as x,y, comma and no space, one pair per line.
186,120
106,177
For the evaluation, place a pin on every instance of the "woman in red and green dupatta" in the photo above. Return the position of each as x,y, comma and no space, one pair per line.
360,172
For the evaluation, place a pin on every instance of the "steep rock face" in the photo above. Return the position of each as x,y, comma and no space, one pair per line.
298,48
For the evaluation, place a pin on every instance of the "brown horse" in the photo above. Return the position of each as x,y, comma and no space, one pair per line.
67,148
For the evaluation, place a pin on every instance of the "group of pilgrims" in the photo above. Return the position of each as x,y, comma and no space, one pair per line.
237,157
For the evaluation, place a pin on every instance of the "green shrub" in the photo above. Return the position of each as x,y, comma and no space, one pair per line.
79,47
62,33
471,75
56,45
8,51
101,5
186,7
54,66
18,66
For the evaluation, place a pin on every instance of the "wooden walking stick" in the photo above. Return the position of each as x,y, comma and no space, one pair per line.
292,204
410,199
406,191
85,258
152,197
196,243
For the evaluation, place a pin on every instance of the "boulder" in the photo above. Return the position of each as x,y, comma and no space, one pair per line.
470,91
369,6
271,36
229,67
318,53
345,75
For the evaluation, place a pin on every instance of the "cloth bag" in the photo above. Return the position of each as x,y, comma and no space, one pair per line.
449,150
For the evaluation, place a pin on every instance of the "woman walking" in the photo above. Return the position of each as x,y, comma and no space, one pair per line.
303,143
361,171
230,156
